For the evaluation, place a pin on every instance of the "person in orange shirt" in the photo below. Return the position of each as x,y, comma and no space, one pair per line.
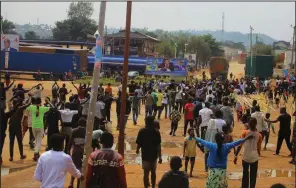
252,149
108,89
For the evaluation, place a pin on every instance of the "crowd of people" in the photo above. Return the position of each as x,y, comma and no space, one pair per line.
207,106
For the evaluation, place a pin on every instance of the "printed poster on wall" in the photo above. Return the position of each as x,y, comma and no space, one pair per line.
10,42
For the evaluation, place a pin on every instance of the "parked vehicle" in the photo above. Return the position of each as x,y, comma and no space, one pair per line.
133,74
261,66
49,63
219,67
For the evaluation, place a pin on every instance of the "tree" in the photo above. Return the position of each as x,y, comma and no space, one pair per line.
8,27
262,49
199,47
165,49
80,10
74,29
214,45
235,45
31,35
78,24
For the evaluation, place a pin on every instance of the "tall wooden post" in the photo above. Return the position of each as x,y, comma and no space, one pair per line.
94,92
124,78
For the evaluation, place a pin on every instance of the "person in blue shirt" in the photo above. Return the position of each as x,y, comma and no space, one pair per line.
217,160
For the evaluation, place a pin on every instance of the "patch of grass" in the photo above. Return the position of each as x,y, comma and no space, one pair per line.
105,81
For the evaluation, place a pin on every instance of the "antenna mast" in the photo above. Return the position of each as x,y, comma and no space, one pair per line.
223,27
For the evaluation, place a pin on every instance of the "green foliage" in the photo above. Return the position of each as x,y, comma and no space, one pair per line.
214,45
31,35
262,49
80,10
235,45
105,81
8,27
198,46
78,24
165,48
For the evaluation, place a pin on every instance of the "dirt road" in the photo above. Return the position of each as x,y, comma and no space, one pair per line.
272,169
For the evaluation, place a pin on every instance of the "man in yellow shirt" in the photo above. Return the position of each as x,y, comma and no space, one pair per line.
159,103
189,151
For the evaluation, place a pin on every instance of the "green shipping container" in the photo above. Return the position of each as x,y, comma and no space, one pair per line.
261,66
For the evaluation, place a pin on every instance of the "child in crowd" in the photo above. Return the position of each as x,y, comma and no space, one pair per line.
189,151
246,116
227,136
175,117
267,116
238,108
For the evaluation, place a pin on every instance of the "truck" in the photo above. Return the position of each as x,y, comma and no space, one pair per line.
219,67
44,61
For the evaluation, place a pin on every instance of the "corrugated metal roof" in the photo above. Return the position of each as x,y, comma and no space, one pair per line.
133,35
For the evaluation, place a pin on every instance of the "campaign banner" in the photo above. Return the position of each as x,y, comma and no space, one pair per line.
10,42
166,67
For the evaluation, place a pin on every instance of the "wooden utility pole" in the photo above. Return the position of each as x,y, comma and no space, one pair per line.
124,78
94,90
293,46
251,49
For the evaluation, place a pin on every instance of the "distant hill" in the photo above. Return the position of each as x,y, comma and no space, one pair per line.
44,31
236,36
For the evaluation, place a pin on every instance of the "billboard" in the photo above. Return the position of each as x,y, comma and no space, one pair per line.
10,42
166,67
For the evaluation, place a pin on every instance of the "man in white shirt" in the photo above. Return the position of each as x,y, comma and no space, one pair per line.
53,165
259,116
100,113
119,88
210,95
37,91
66,128
205,115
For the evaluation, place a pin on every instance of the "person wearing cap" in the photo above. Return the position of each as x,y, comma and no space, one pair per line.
174,178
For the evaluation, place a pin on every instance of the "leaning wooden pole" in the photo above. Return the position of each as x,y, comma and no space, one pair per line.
124,78
94,90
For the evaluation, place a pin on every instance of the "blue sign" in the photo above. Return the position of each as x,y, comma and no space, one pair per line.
166,67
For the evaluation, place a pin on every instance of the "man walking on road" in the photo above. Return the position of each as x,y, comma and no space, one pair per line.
285,130
54,164
149,141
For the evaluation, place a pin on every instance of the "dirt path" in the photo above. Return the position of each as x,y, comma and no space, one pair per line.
272,169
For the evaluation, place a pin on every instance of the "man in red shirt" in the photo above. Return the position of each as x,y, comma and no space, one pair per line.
106,166
189,107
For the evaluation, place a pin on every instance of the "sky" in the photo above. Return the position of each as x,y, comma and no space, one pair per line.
271,18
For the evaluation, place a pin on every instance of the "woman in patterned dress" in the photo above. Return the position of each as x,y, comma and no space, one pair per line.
217,160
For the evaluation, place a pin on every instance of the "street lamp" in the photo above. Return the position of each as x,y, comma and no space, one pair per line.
185,50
